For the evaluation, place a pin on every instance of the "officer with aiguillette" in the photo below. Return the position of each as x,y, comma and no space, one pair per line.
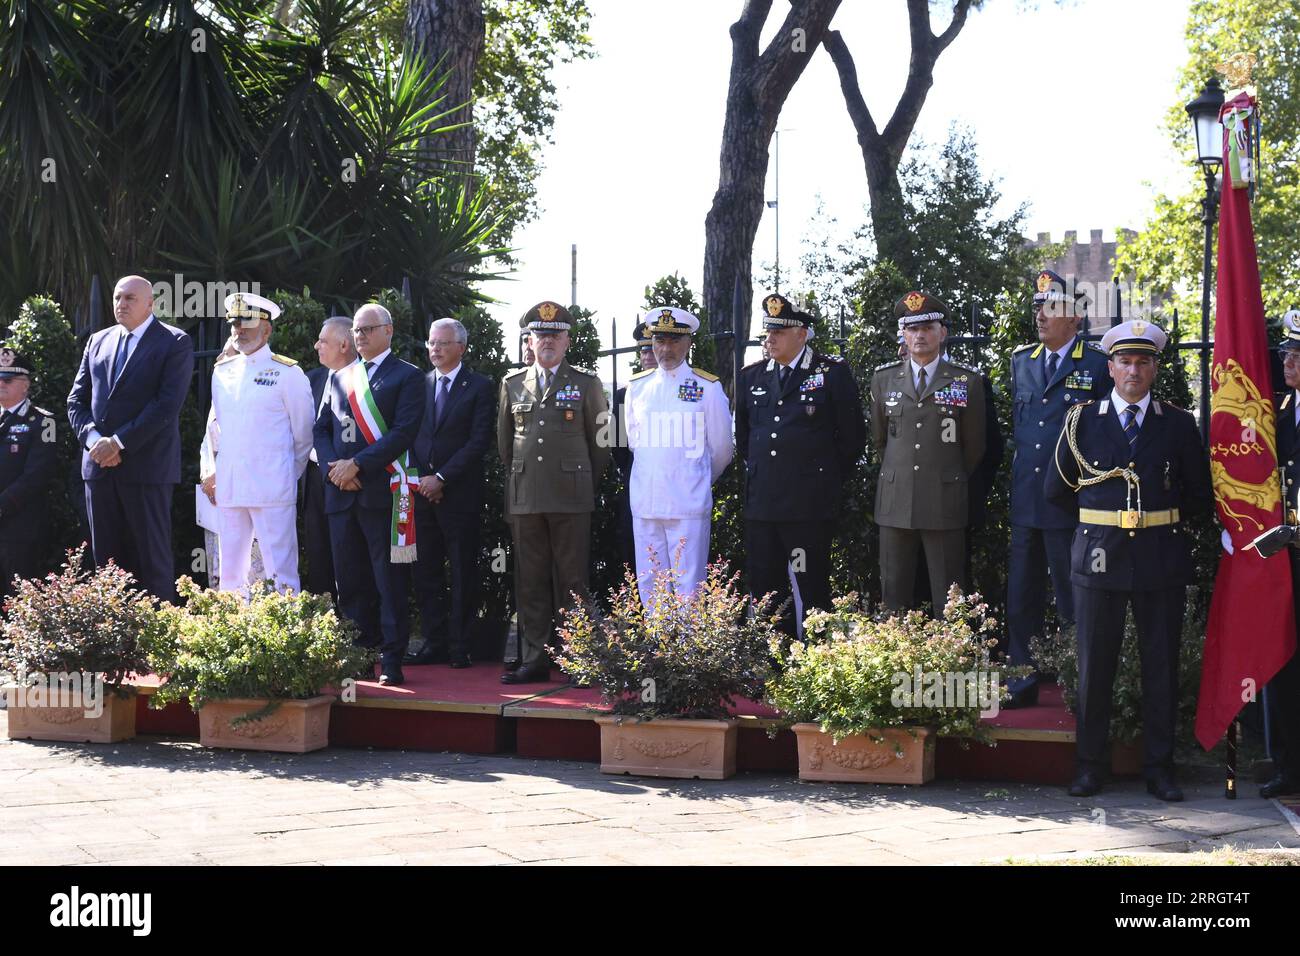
1136,469
1047,380
929,428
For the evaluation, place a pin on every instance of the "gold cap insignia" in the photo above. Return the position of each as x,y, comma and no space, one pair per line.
6,358
666,315
1139,327
773,305
1044,282
547,311
914,301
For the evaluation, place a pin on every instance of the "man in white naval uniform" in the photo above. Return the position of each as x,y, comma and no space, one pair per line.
679,430
260,432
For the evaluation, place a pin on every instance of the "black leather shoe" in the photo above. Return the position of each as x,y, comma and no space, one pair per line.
460,663
512,665
537,674
428,654
1162,787
1280,785
1085,784
392,677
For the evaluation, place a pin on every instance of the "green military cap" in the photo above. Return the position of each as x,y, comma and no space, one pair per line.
547,317
916,308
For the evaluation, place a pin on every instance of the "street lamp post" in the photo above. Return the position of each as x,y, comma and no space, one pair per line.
1208,134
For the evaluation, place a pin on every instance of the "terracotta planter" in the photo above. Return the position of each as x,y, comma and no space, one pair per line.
70,724
668,748
295,726
1126,759
859,759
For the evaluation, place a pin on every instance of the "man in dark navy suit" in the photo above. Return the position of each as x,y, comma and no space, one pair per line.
125,409
359,499
1136,470
454,436
335,349
1047,380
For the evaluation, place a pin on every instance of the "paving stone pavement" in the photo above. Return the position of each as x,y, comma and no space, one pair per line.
159,801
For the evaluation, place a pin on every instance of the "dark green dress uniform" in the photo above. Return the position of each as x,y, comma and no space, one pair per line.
1129,550
28,459
1044,386
799,441
929,444
548,440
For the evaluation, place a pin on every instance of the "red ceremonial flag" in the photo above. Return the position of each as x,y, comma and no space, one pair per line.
1251,630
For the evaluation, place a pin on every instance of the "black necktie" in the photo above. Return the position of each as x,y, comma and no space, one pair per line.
920,382
784,375
1131,425
1052,361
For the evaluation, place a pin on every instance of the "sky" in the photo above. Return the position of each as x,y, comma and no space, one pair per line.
634,163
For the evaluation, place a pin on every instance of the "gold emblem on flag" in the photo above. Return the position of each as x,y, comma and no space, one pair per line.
1237,69
1236,394
914,301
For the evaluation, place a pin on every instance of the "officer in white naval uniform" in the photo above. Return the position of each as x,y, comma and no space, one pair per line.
260,431
679,430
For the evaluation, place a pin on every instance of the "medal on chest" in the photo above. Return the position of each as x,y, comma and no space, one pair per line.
1081,380
812,382
266,376
570,393
690,391
954,394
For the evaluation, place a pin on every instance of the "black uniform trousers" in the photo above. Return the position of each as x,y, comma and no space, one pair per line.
319,575
444,538
772,547
131,525
18,557
1158,616
1034,553
1284,696
372,593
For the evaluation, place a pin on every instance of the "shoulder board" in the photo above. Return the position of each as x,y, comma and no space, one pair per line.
967,368
518,371
1285,402
1096,348
754,365
1168,404
283,359
893,364
46,413
590,373
223,360
707,376
641,374
1020,348
823,357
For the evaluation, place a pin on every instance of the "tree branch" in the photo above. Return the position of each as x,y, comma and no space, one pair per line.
863,122
781,64
745,33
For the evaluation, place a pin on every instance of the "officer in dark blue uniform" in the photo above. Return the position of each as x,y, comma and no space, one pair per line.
800,432
1136,469
1284,688
1047,380
27,464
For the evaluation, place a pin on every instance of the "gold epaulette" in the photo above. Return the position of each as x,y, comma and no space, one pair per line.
223,359
283,359
641,374
707,376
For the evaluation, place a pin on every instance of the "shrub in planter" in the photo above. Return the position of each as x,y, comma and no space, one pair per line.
882,681
75,622
675,668
262,652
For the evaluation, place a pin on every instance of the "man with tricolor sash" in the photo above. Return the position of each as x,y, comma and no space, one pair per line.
367,423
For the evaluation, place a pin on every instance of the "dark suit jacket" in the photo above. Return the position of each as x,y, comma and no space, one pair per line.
982,478
398,390
142,409
455,447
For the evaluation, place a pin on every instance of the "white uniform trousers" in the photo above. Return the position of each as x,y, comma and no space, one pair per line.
277,535
665,535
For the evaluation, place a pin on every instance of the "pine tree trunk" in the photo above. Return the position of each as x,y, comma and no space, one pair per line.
450,34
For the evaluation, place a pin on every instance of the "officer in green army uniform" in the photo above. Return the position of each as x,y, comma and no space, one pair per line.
549,417
928,425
